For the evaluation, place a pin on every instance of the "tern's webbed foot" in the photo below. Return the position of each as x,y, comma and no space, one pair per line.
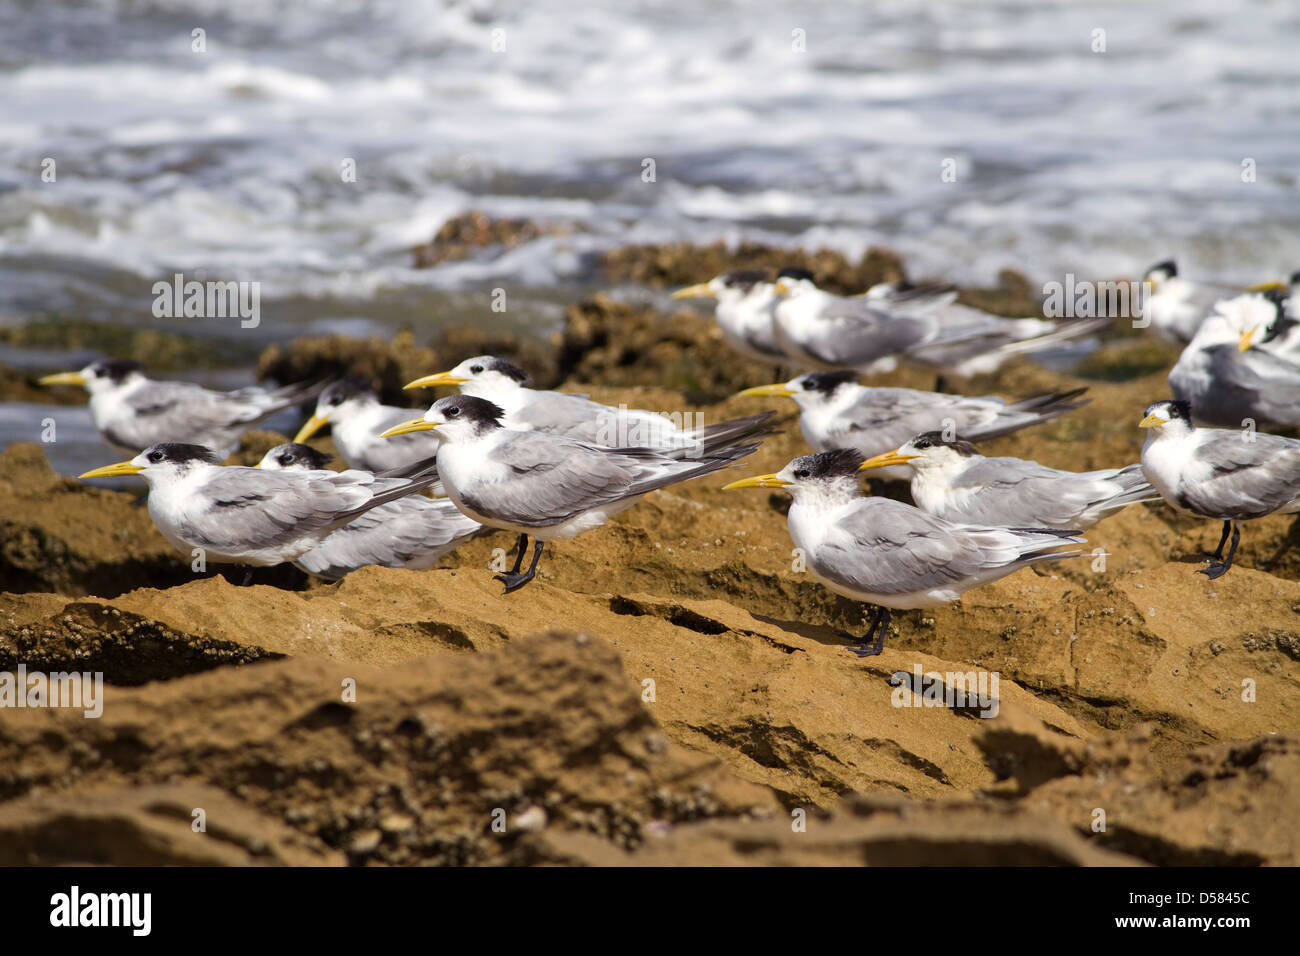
872,649
515,580
873,642
1217,569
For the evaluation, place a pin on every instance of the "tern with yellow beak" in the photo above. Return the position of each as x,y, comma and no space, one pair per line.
507,386
133,411
835,411
745,303
1233,369
539,485
413,532
1175,306
889,554
870,333
1231,475
352,410
249,516
952,480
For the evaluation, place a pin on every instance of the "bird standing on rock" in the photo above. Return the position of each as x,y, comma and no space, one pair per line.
889,554
1227,474
248,516
544,486
951,479
133,411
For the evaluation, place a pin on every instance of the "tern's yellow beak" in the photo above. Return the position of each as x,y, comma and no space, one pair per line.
782,286
699,291
1153,421
782,390
433,381
113,471
405,428
1268,286
64,378
313,425
1243,340
885,460
758,481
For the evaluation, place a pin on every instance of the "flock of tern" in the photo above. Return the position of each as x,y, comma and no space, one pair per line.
546,465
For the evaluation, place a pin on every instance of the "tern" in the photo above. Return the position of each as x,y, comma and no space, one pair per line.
952,480
837,412
819,330
413,532
1175,307
1232,374
540,485
240,515
1221,473
746,301
352,410
507,386
889,554
133,411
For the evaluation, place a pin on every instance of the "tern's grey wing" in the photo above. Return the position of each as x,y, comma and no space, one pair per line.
1020,493
853,332
181,409
560,412
250,509
1248,478
885,547
398,534
890,416
552,479
1226,385
896,550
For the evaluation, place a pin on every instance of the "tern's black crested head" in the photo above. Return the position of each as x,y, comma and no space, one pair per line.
744,279
827,382
490,363
179,453
827,465
115,370
938,440
1174,410
1167,266
469,408
1282,321
297,455
344,390
795,272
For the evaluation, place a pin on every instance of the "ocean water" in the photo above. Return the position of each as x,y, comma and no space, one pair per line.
810,123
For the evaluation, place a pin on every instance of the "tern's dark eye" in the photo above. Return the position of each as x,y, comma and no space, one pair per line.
453,411
921,443
476,369
801,473
285,460
155,456
336,400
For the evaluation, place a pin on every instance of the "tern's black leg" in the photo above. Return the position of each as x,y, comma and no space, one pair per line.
1223,539
940,384
248,576
1218,569
873,642
514,580
519,556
